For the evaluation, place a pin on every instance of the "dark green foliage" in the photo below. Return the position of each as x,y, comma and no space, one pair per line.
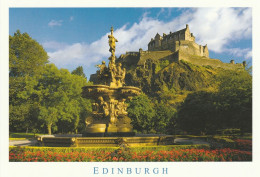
198,114
151,117
235,99
141,111
229,107
17,117
164,119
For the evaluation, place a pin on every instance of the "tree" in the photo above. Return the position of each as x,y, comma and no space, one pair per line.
141,111
197,115
27,59
18,116
60,99
49,115
26,56
56,96
164,118
235,99
41,95
79,71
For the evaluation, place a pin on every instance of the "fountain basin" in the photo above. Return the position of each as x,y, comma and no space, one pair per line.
106,141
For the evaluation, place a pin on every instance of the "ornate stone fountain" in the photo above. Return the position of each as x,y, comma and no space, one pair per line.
109,116
109,124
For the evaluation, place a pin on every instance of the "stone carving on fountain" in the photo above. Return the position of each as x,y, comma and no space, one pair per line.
109,110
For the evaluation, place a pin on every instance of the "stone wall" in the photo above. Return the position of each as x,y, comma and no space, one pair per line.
189,54
192,48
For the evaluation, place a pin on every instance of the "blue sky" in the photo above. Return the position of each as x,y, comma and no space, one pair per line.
78,36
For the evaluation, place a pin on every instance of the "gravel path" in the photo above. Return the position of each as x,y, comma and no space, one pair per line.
22,142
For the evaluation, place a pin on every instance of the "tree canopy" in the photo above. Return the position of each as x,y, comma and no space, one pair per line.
26,56
141,111
61,100
151,117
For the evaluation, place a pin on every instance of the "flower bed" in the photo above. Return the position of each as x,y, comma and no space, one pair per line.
243,144
127,154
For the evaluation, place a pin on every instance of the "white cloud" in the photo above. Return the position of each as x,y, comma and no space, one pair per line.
217,27
76,51
80,53
53,23
248,54
53,45
238,52
71,18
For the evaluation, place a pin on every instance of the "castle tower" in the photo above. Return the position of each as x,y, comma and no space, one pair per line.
158,41
206,51
187,33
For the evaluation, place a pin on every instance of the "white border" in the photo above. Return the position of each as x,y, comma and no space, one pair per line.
180,169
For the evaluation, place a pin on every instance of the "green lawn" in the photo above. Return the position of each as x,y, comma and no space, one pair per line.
21,136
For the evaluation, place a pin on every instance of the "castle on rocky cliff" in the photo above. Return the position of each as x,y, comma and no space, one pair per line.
174,47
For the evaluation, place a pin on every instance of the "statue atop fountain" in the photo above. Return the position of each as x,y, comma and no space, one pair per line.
109,110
